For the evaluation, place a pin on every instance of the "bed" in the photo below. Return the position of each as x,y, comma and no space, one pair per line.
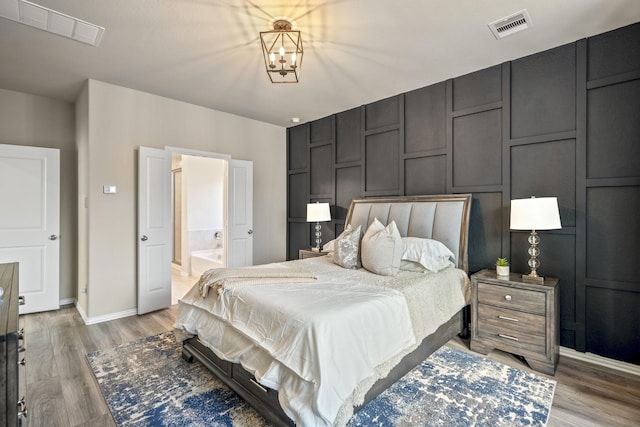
281,349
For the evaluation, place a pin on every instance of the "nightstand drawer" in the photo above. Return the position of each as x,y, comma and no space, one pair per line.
512,298
519,330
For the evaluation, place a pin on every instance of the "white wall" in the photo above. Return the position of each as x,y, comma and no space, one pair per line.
119,121
203,180
38,121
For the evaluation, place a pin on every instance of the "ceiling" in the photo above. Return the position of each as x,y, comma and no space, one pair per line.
207,52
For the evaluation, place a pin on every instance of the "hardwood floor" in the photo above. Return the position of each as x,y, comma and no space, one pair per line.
61,390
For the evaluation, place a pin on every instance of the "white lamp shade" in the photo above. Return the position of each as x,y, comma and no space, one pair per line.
317,212
536,213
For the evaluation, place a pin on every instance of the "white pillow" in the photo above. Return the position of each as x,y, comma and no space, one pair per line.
432,254
382,248
346,248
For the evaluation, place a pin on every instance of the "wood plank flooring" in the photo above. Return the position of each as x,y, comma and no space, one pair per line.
61,390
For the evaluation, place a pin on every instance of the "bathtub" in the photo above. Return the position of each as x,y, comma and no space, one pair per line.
202,261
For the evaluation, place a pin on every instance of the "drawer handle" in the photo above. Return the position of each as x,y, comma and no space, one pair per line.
509,337
21,300
257,384
22,409
22,362
21,334
508,318
507,297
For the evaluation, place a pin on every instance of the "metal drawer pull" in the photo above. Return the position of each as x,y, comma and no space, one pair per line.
508,318
257,384
22,349
22,362
21,334
22,408
507,297
21,300
508,337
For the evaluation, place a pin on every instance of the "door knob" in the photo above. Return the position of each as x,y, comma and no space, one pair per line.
144,238
53,237
250,232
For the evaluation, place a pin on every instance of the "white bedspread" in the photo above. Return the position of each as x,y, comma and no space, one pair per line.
321,344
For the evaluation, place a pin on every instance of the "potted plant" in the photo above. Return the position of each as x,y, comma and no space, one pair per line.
502,267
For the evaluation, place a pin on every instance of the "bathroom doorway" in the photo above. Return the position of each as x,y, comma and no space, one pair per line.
198,219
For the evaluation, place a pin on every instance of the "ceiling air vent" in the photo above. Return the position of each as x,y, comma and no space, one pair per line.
511,24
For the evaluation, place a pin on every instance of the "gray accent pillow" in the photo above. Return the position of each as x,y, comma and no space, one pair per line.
346,248
382,248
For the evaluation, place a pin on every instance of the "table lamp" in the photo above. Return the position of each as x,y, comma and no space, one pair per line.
535,214
317,212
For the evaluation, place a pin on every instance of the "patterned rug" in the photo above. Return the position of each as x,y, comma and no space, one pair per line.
146,383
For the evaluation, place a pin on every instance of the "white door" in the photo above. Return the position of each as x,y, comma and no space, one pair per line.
239,213
30,222
154,229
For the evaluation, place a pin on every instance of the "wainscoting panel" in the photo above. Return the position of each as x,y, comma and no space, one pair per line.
322,130
348,134
614,53
425,175
557,259
613,231
612,327
382,163
485,230
297,147
425,118
298,196
478,88
543,92
321,168
562,123
382,113
546,169
347,188
477,149
613,114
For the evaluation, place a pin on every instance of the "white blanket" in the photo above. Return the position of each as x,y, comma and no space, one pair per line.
321,345
221,279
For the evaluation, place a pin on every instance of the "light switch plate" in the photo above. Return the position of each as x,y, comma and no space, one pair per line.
109,189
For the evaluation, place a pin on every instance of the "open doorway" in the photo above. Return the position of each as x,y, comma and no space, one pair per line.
198,219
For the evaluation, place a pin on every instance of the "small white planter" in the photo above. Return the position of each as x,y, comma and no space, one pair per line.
502,270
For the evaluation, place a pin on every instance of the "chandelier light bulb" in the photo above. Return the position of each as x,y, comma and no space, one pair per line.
281,50
293,57
272,57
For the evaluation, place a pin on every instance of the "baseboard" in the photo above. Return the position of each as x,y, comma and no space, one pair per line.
67,301
106,317
617,365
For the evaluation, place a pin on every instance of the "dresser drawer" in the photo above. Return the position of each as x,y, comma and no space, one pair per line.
512,298
515,329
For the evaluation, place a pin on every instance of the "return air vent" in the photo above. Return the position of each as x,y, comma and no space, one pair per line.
511,24
46,19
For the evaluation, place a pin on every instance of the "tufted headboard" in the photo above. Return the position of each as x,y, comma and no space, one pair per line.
440,217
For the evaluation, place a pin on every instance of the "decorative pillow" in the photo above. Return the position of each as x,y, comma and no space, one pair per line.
432,254
412,266
330,246
382,248
346,248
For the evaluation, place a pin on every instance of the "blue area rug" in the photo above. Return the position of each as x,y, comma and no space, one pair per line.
146,383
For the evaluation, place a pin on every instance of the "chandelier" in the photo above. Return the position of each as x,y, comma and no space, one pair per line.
282,50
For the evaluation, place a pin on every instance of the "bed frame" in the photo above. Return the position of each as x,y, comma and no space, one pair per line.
441,217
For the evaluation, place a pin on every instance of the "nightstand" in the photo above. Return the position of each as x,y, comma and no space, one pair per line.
308,253
516,316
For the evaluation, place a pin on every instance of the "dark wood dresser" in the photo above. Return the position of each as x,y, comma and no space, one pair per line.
11,345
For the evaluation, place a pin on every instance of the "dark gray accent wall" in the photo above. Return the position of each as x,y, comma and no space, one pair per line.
563,122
